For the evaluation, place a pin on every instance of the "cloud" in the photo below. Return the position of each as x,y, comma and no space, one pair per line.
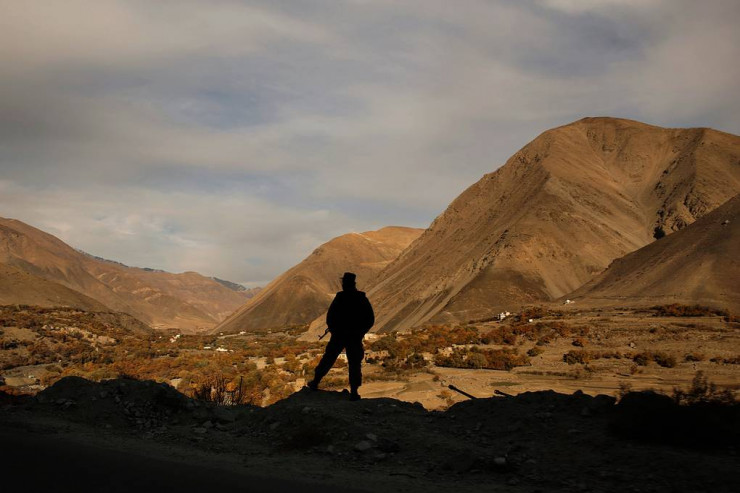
125,34
234,137
586,6
230,236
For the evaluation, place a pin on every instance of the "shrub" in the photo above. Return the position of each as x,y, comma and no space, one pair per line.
702,390
490,359
726,361
545,340
390,343
534,312
662,359
464,335
608,355
577,356
624,389
665,360
583,330
504,359
535,351
641,359
414,361
476,360
678,310
579,342
501,335
542,332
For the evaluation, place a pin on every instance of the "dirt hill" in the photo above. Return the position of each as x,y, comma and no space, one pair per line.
187,301
127,435
698,264
554,216
19,287
302,293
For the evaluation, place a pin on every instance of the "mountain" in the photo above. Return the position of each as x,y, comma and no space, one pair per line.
554,216
228,284
245,291
18,287
187,301
698,264
303,292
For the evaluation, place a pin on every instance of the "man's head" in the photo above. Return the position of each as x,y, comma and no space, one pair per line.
348,281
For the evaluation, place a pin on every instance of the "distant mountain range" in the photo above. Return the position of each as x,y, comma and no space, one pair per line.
38,268
228,284
237,287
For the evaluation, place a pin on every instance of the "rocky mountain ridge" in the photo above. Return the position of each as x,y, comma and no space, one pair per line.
554,216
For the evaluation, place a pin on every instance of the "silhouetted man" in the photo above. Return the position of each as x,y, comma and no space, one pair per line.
350,317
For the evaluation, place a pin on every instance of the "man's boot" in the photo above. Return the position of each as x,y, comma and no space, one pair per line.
313,385
354,395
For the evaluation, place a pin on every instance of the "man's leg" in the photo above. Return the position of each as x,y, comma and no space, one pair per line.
355,354
331,353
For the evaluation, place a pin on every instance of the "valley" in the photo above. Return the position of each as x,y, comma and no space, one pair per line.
514,225
601,257
603,351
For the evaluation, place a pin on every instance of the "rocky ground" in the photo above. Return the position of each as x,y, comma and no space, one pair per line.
143,435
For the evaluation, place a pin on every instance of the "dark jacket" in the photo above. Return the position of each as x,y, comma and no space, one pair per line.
350,314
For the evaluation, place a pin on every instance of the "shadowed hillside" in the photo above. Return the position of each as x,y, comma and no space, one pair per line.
698,264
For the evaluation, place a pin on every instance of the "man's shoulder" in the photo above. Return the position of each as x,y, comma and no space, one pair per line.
351,293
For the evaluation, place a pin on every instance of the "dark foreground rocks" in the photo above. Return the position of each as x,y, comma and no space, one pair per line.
538,441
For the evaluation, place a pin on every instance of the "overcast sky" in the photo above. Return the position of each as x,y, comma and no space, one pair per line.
233,137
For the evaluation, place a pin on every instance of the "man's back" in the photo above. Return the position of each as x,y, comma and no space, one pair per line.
350,313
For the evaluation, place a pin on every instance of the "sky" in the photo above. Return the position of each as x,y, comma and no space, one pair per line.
234,137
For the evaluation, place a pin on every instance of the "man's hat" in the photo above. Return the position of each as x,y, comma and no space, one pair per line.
349,276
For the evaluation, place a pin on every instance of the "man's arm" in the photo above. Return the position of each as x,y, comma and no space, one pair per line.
331,315
369,315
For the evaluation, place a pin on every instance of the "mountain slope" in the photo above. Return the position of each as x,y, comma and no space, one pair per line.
19,287
698,264
187,301
303,292
556,214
